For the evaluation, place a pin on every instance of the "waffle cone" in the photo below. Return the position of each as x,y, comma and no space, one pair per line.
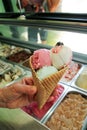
46,86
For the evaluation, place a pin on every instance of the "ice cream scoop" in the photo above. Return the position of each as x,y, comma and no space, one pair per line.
61,56
44,65
41,58
46,71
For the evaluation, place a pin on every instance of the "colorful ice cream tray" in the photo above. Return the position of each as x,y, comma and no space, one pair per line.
74,85
19,57
26,63
7,50
69,91
3,46
14,74
71,73
4,67
40,115
49,112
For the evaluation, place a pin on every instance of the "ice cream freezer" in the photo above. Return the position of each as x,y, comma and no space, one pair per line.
72,88
16,119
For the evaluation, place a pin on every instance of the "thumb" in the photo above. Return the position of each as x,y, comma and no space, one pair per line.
25,89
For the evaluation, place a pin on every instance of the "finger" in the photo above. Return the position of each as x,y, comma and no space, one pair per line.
16,90
25,89
28,80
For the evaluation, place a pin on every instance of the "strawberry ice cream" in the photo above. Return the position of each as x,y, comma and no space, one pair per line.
41,58
33,109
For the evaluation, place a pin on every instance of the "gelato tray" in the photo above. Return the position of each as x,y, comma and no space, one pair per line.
12,75
81,80
19,57
40,114
6,50
71,72
71,113
2,46
26,63
4,67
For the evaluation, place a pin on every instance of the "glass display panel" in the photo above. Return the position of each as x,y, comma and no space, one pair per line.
38,35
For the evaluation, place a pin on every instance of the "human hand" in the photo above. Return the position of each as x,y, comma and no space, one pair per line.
18,94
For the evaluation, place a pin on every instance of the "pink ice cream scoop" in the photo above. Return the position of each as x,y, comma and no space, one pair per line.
41,58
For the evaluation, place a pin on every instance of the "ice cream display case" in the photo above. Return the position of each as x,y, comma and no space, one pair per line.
68,110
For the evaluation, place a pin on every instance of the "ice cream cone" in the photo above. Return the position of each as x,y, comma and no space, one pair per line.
46,86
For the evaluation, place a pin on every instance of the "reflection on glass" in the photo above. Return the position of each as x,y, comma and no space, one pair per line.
19,32
4,30
37,35
76,41
12,31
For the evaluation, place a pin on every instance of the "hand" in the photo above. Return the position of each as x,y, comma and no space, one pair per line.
18,94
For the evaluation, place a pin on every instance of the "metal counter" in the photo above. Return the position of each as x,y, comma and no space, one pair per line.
16,119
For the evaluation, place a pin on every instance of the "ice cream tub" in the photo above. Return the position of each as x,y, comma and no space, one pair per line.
73,69
41,114
6,50
70,113
4,67
26,63
80,81
15,73
20,56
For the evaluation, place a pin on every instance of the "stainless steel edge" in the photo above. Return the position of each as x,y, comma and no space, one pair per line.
16,119
85,124
51,110
70,82
68,90
73,83
24,72
72,89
